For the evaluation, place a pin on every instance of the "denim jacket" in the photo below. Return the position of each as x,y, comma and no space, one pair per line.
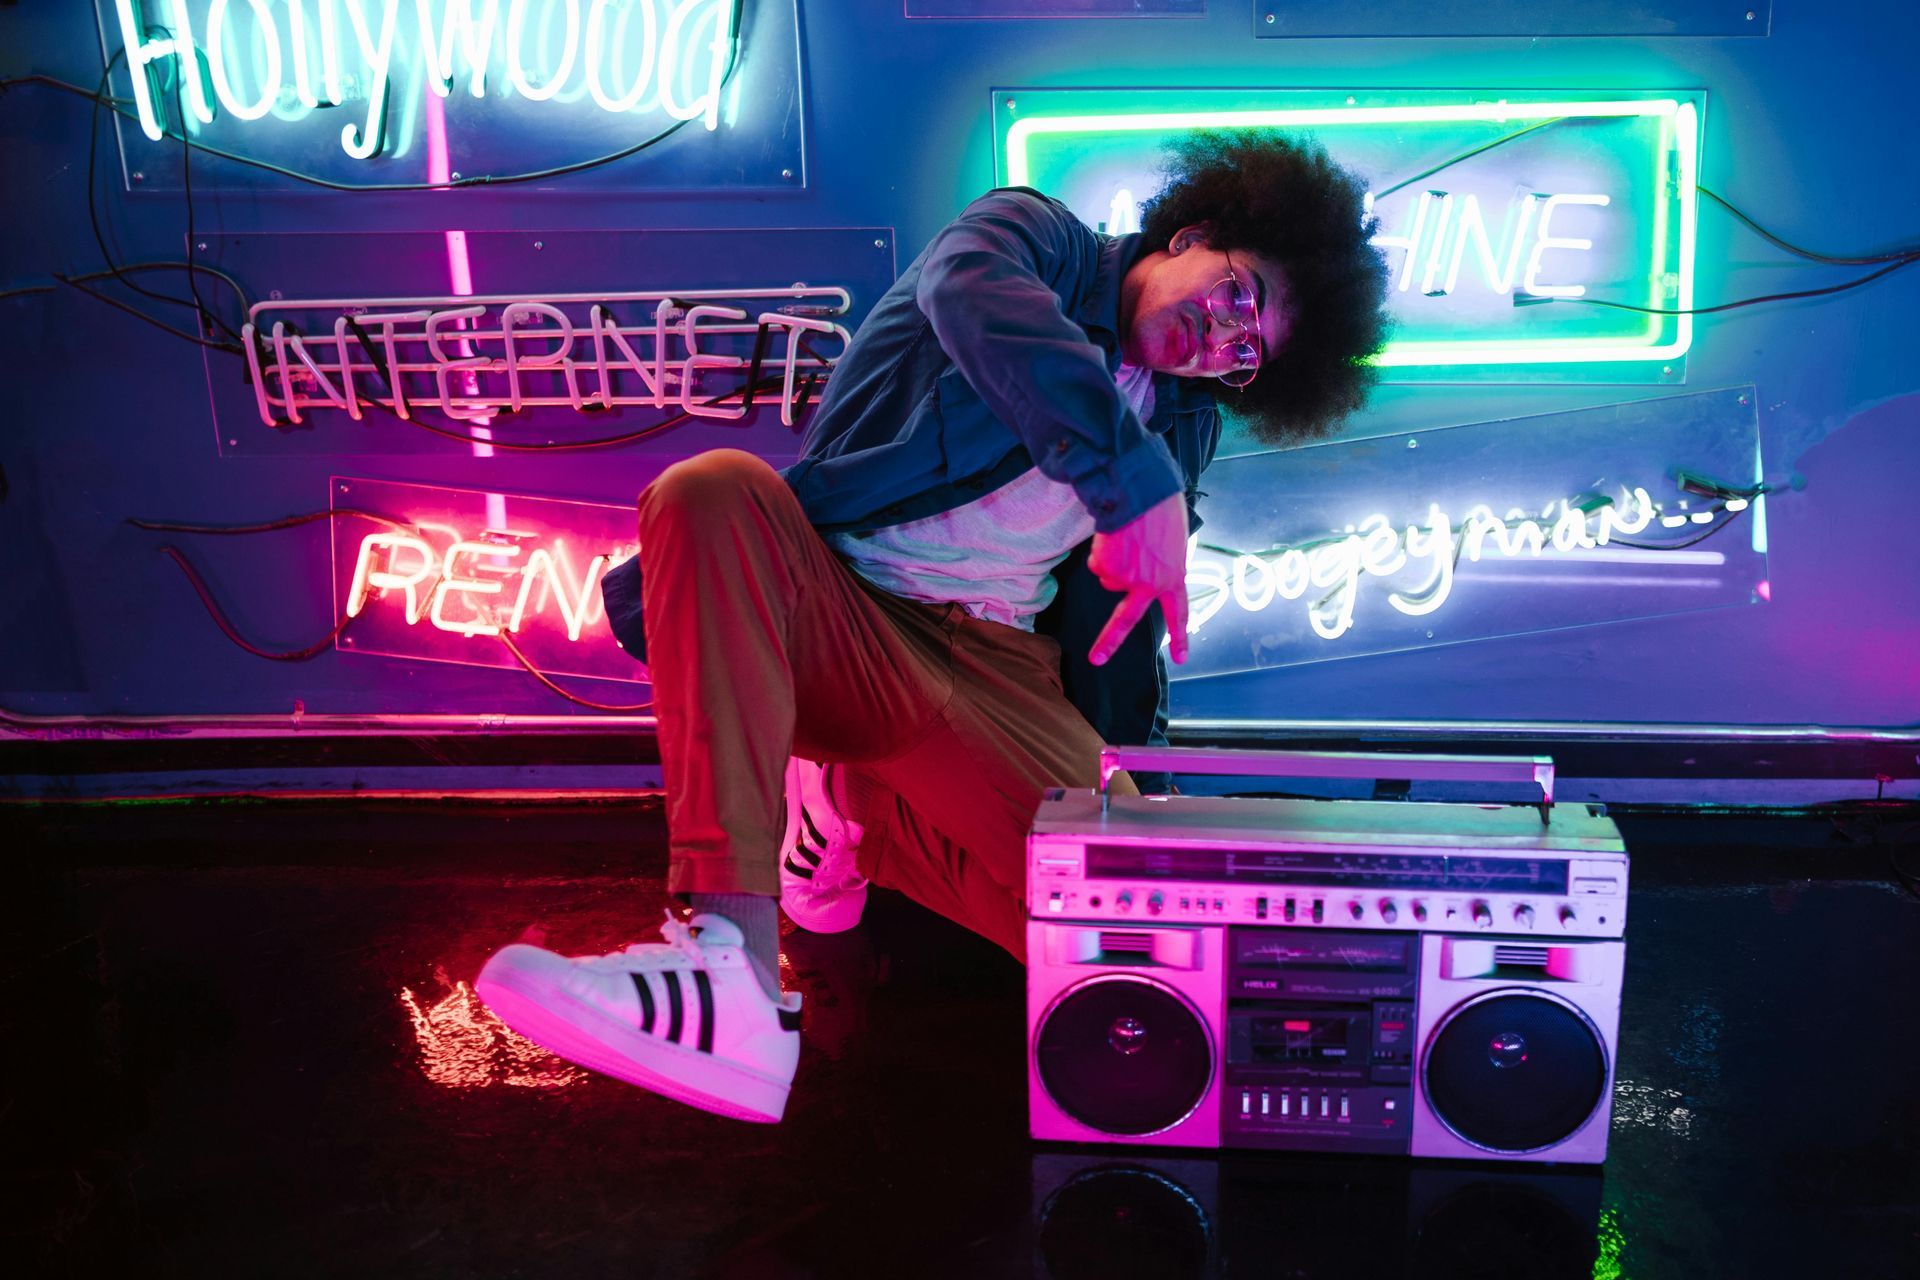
995,352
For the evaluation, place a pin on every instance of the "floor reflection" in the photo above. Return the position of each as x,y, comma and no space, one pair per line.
464,1046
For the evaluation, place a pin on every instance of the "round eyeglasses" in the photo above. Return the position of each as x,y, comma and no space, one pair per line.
1232,302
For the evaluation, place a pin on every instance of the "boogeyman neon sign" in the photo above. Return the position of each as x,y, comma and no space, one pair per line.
267,60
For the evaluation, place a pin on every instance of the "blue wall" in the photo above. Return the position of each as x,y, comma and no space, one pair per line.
1807,128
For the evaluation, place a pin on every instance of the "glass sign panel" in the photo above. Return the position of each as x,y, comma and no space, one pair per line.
697,94
1509,220
1503,528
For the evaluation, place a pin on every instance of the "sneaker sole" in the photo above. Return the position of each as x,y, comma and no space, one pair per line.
836,916
580,1033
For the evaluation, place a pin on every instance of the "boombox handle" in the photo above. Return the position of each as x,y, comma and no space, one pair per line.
1529,771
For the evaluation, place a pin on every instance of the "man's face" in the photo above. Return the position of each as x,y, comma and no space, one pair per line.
1178,315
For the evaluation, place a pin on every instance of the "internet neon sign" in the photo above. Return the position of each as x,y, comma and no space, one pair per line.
466,568
1334,568
258,57
1486,204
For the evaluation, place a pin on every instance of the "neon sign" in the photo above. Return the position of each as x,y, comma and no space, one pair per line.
470,566
287,58
474,357
1375,547
1488,206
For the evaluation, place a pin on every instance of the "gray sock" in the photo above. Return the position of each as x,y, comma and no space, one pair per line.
758,919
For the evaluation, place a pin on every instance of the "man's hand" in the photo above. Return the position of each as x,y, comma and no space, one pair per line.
1146,559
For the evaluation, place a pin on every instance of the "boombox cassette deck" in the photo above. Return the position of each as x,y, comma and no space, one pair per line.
1364,976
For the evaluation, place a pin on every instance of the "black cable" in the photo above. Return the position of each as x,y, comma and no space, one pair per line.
21,293
286,522
93,210
1863,260
207,320
1466,155
136,313
227,629
543,678
1734,306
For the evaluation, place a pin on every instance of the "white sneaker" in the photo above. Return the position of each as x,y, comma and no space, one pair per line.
821,889
687,1018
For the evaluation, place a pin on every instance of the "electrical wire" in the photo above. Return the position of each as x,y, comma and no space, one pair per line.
1466,155
1742,302
227,629
198,341
286,522
544,679
93,210
1862,260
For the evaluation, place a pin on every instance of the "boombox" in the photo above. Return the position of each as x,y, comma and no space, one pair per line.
1325,975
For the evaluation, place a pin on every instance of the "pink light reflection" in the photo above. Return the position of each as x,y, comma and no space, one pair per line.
464,1046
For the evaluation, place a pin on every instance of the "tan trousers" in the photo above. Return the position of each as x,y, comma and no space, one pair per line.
763,643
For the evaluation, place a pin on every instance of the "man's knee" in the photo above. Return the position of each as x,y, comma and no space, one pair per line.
707,487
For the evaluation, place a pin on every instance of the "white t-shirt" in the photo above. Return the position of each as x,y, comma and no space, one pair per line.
994,556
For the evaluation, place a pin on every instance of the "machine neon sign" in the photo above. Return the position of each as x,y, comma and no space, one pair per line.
1375,548
468,566
257,57
473,357
1528,201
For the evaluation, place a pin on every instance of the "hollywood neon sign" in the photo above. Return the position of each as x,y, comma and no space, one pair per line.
1525,212
1377,548
257,57
474,357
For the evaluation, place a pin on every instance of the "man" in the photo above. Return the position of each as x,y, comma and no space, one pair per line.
943,598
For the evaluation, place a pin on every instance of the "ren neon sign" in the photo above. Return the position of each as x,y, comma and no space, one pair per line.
1489,205
458,569
255,59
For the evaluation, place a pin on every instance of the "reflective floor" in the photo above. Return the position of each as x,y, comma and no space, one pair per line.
243,1042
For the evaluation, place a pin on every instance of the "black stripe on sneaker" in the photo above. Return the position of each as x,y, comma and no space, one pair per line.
703,987
676,1015
806,820
812,856
805,873
646,1001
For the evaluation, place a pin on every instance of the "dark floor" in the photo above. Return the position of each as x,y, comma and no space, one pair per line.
245,1044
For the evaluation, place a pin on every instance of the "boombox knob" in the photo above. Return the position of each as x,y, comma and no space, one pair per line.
1482,915
1388,911
1523,916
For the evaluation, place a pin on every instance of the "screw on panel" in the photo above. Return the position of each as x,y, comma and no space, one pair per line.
1269,19
786,175
1749,15
1413,444
879,244
138,176
201,247
274,294
1012,104
233,444
539,244
454,176
1744,399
